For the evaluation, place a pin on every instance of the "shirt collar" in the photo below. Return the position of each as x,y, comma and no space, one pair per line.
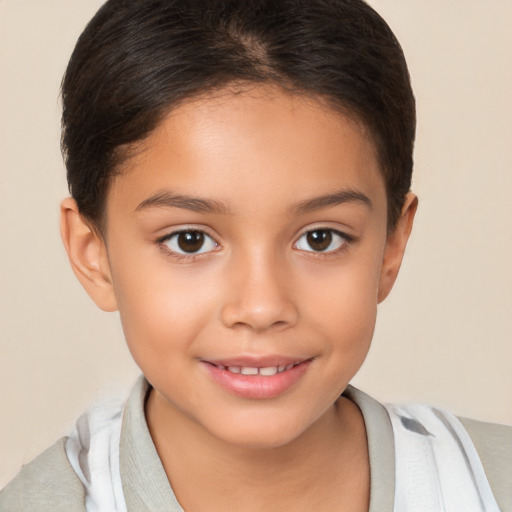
145,483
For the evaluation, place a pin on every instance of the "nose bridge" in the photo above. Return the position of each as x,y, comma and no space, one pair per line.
259,291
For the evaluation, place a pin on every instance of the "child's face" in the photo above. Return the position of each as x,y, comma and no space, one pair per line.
251,233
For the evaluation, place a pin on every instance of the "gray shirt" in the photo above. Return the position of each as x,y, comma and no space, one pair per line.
49,483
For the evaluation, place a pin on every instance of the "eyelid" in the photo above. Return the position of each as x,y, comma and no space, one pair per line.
183,228
347,240
161,242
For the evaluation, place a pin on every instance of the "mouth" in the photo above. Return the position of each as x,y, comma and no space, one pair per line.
265,371
257,378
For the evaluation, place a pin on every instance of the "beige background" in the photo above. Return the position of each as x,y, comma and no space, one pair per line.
443,337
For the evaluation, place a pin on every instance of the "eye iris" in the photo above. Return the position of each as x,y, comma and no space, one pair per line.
191,241
319,239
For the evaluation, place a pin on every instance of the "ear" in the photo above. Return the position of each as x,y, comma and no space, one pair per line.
395,247
88,255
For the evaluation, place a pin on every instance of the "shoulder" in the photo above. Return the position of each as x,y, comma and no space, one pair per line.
493,444
48,483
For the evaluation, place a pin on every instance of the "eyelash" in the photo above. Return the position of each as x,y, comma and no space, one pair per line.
162,242
346,241
185,256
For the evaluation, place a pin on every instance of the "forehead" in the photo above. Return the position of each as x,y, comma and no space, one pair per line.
222,144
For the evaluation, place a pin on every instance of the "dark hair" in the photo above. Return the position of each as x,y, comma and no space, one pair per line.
137,59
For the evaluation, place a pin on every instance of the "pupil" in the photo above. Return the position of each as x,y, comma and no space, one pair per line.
320,239
191,241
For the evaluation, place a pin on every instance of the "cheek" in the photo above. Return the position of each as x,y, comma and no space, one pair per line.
163,309
348,321
342,307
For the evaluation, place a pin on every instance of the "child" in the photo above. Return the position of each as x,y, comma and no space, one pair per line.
240,176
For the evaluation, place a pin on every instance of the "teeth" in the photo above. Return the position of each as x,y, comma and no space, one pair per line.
248,370
271,370
267,371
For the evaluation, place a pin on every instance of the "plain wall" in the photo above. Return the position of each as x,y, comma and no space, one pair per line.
444,335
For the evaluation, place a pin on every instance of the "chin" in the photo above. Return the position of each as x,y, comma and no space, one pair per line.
259,439
262,432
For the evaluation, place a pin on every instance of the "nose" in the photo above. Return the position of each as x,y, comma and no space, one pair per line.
259,295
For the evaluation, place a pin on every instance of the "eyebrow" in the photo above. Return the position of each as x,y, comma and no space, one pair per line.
339,197
167,199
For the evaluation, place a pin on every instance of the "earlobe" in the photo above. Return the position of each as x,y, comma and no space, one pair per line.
395,247
88,256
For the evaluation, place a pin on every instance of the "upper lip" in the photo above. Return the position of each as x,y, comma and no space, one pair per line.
253,361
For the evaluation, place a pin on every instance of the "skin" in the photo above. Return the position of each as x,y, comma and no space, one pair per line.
257,288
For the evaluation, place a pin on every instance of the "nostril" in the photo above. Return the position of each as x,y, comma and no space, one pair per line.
257,326
259,298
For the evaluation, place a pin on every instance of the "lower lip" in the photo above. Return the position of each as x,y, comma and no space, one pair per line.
257,386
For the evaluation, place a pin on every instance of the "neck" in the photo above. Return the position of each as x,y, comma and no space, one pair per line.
329,459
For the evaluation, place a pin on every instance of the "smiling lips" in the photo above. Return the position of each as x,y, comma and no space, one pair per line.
257,380
266,371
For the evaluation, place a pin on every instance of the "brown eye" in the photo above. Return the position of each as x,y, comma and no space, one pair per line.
321,240
190,242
